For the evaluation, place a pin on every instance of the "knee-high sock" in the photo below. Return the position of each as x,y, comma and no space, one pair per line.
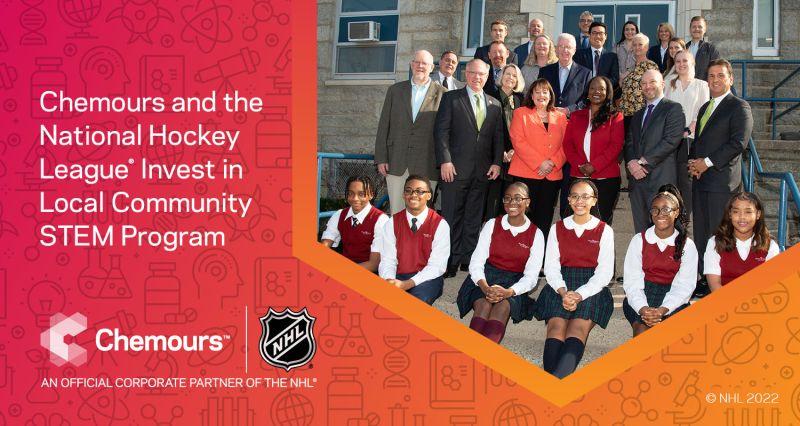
477,324
552,352
494,330
571,355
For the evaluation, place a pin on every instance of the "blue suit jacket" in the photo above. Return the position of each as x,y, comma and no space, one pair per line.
571,97
522,53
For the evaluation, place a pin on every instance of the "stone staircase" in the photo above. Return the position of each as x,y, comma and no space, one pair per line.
776,155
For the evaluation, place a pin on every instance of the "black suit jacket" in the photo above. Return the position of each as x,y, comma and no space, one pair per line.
657,142
723,140
458,140
483,53
609,64
521,52
654,54
491,86
706,52
574,88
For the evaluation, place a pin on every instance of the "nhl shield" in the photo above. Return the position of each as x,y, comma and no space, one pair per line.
287,338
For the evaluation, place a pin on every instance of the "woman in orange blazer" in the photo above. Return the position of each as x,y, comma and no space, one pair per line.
537,131
593,148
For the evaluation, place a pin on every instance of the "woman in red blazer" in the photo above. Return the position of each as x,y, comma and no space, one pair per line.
593,140
537,131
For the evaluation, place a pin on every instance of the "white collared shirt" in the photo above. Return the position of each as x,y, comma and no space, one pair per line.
693,47
563,74
717,101
682,285
451,83
663,53
711,258
418,92
437,261
605,258
332,229
532,266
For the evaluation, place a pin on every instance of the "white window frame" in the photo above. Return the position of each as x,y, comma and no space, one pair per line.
561,3
470,51
776,31
364,76
634,17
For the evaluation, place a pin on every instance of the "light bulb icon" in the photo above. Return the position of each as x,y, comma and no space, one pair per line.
45,299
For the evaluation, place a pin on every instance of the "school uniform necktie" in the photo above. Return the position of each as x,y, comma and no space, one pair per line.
355,221
414,224
480,114
705,116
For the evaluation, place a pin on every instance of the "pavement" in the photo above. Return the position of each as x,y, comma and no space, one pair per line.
526,338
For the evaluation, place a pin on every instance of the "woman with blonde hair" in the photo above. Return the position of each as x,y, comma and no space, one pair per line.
676,44
544,53
659,52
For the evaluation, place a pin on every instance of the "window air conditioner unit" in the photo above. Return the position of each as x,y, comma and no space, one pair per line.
363,31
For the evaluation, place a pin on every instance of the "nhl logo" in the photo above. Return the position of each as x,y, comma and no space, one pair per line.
287,338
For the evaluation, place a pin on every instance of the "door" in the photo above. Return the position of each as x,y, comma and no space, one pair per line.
647,14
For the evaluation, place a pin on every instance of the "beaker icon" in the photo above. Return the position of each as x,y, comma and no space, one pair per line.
332,336
355,344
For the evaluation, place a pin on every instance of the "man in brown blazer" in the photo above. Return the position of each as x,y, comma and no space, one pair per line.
404,143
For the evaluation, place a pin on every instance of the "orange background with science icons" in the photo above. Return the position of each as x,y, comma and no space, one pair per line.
382,358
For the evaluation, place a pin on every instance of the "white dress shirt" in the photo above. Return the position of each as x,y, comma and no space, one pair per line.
711,258
693,47
691,98
437,261
451,85
418,92
717,100
605,258
663,53
682,285
332,229
532,266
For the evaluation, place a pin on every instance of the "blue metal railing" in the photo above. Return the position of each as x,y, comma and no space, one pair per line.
753,168
774,99
321,156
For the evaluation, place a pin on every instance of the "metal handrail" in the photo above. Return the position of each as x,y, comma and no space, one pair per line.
338,156
788,184
773,100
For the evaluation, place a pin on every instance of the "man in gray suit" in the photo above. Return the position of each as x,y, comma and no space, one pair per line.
651,144
404,143
447,68
723,130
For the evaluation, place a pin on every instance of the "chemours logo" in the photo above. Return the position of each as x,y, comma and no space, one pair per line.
62,328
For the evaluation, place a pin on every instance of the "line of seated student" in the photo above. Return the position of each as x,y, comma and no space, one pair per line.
410,250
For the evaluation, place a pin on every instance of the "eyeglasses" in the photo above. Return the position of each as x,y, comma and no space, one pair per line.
514,200
417,192
598,33
418,63
587,20
655,211
583,197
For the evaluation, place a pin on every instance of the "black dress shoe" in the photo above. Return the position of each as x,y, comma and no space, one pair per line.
451,271
464,267
702,289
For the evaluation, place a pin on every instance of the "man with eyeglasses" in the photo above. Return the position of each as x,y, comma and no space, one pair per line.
404,142
651,145
599,60
584,22
415,244
447,68
469,152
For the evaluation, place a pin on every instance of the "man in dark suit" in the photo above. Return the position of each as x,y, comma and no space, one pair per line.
469,152
569,81
703,51
584,21
448,63
596,58
535,29
498,57
651,145
499,32
723,130
404,143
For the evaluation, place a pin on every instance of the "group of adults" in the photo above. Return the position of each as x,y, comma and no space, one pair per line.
552,111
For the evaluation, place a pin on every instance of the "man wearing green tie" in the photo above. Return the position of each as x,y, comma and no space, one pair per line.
468,137
722,134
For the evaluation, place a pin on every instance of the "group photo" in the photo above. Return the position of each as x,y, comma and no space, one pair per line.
559,193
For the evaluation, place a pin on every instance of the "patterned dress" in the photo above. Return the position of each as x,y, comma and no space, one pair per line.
632,98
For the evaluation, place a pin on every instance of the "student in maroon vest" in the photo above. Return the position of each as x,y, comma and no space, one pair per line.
416,244
660,265
503,268
578,265
358,227
740,243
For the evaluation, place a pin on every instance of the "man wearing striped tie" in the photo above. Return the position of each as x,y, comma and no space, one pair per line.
468,137
723,131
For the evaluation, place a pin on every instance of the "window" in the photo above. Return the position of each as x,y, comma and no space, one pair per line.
374,59
473,26
766,21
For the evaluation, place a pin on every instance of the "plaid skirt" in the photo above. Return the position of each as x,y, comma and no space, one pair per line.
597,308
522,305
655,295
